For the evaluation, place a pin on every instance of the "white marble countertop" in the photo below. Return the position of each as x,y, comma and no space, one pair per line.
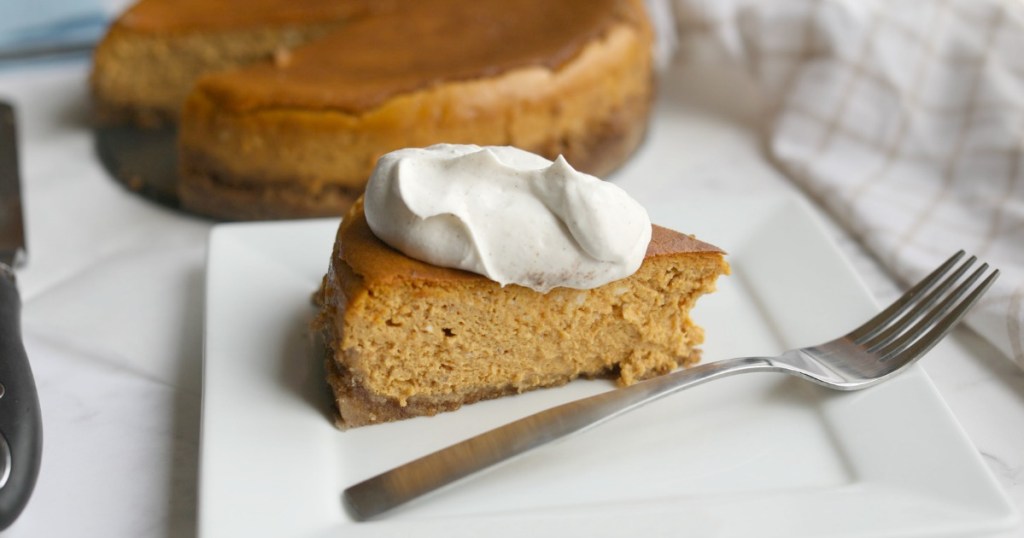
113,310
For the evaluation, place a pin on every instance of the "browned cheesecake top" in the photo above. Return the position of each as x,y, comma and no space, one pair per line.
420,44
199,16
375,261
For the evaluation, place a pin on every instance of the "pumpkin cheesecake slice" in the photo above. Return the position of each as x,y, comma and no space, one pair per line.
409,338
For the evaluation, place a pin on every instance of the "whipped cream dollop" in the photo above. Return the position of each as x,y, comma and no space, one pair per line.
510,215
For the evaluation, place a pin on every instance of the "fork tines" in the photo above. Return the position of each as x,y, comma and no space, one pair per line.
926,312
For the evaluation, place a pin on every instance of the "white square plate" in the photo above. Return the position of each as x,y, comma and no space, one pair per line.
760,454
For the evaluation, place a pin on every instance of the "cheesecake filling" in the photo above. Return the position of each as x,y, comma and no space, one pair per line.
507,214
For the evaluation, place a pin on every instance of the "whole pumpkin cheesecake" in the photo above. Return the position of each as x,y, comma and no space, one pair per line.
408,337
292,125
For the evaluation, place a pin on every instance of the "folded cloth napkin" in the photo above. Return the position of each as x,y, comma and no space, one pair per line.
905,120
38,27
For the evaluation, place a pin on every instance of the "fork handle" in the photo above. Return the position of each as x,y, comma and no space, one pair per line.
402,484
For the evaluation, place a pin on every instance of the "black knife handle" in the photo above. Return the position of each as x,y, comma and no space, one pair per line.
21,423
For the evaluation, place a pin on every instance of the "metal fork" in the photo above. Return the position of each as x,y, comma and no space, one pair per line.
877,350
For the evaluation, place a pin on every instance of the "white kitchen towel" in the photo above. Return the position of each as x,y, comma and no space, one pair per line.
905,120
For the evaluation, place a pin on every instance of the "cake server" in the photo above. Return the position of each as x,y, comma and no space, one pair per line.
20,419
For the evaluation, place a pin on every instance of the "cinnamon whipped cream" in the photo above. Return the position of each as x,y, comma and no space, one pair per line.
507,214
